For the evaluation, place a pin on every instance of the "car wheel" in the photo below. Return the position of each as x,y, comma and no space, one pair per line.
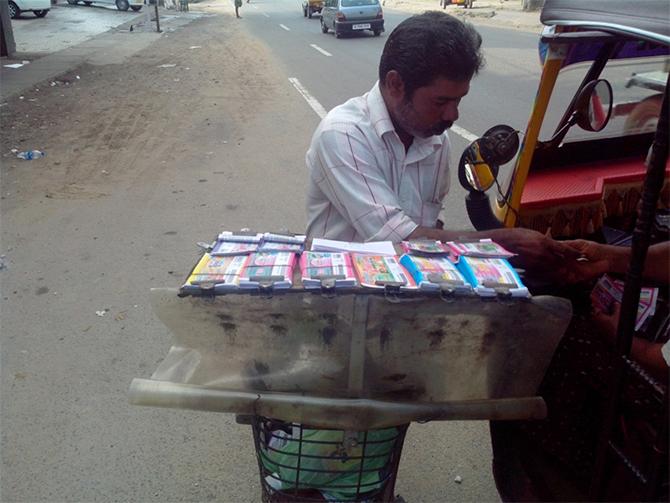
122,4
87,4
376,32
40,13
337,34
324,28
14,11
136,8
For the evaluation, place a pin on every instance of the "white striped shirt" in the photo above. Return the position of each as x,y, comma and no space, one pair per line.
363,186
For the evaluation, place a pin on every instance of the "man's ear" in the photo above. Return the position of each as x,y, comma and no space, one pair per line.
395,85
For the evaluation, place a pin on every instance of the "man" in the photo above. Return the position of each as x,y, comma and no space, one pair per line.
378,163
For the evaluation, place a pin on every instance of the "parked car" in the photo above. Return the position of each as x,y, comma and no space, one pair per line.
348,16
120,4
309,7
39,7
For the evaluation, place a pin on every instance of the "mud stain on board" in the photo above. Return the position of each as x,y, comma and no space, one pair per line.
487,344
229,328
436,337
394,377
328,334
255,372
384,338
279,330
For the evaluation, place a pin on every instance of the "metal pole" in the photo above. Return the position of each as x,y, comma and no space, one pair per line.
158,24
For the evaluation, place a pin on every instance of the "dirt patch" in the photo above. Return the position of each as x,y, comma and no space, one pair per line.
103,126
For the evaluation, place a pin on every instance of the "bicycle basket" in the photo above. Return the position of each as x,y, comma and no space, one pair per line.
299,463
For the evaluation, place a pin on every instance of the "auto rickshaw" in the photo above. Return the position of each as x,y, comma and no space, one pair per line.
593,163
465,3
310,7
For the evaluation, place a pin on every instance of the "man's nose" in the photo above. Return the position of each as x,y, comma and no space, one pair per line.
450,113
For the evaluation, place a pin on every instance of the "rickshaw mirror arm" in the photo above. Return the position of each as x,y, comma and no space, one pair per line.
593,73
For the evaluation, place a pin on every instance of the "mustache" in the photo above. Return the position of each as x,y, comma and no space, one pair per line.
443,126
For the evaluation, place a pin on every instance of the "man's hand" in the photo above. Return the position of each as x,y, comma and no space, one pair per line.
536,252
594,260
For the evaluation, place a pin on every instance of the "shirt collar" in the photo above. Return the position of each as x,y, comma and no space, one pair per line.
381,121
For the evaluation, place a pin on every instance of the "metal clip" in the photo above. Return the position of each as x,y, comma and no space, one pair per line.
266,289
392,291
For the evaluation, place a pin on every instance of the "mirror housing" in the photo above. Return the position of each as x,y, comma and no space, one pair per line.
479,163
594,105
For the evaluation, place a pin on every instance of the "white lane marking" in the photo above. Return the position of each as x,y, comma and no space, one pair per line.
325,53
463,133
266,15
311,100
285,27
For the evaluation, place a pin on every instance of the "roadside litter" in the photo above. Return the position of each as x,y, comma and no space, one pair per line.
17,65
29,155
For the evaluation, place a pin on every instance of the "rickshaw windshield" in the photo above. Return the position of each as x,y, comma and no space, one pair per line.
637,73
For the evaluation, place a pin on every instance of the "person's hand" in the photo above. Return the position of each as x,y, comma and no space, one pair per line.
594,260
536,252
607,322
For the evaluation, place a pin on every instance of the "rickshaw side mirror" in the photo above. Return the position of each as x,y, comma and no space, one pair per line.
478,166
594,105
479,176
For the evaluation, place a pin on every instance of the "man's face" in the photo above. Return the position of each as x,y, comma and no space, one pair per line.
432,109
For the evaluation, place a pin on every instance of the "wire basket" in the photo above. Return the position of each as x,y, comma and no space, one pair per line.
299,463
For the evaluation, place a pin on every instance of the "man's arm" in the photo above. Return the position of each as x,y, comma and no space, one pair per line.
601,258
649,354
535,250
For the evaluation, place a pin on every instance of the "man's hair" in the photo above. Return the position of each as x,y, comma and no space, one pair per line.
429,46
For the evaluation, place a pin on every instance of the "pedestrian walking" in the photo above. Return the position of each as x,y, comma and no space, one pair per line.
238,4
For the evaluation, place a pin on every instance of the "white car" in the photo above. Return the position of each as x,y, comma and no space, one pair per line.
120,4
39,7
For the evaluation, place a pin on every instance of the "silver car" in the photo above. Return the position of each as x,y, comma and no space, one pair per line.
348,16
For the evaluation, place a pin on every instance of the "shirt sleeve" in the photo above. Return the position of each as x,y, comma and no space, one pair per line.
349,175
